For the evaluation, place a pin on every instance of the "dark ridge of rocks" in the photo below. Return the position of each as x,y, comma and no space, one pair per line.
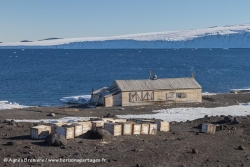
55,140
97,134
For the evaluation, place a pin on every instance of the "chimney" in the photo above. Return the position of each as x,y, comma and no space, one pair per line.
193,74
150,74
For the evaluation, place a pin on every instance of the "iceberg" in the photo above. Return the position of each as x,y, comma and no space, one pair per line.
234,36
81,99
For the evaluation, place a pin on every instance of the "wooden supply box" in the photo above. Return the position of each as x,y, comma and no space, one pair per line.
136,129
53,127
77,129
208,128
97,124
152,129
86,126
40,132
127,128
67,130
162,126
113,128
144,129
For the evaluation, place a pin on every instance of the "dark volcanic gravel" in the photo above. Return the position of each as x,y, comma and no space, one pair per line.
184,145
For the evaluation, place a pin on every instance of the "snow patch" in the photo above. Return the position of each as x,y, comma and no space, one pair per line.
9,105
184,114
173,114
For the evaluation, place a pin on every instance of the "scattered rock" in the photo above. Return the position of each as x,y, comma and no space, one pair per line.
55,140
110,116
13,143
2,120
98,134
138,165
194,151
29,147
233,128
121,109
51,114
228,119
236,121
12,122
241,147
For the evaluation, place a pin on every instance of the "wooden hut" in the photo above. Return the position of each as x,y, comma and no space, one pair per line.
149,91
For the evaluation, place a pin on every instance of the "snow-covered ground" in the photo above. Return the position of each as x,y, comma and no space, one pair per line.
233,36
8,105
174,114
184,114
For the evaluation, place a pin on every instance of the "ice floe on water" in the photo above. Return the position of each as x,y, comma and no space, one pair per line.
81,99
208,93
184,114
9,105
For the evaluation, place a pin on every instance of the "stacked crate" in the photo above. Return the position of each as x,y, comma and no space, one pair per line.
127,128
66,130
113,128
40,132
208,128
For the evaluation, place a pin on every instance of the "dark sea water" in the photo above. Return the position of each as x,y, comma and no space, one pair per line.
43,77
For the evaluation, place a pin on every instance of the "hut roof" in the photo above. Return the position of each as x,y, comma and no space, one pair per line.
159,84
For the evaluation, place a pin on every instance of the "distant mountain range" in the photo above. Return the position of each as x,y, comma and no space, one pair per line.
233,36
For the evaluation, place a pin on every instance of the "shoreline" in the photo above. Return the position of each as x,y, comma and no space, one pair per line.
208,101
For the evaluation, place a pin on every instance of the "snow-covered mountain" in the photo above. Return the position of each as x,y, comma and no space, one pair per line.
234,36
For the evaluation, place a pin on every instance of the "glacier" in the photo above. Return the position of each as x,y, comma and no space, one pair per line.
230,36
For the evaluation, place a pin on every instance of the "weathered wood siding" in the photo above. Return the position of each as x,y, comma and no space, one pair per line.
108,101
161,96
117,99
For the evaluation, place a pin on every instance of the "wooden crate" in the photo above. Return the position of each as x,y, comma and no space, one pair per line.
208,128
113,128
144,129
67,130
136,129
162,126
127,128
40,132
53,127
86,126
77,129
97,124
152,129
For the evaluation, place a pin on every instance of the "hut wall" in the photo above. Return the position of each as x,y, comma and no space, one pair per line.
162,96
108,101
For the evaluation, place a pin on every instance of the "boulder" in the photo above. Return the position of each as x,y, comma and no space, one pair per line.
55,140
98,134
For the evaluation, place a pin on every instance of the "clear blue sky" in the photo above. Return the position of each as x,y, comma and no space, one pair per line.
40,19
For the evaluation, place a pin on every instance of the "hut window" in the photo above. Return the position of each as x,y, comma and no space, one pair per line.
181,95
